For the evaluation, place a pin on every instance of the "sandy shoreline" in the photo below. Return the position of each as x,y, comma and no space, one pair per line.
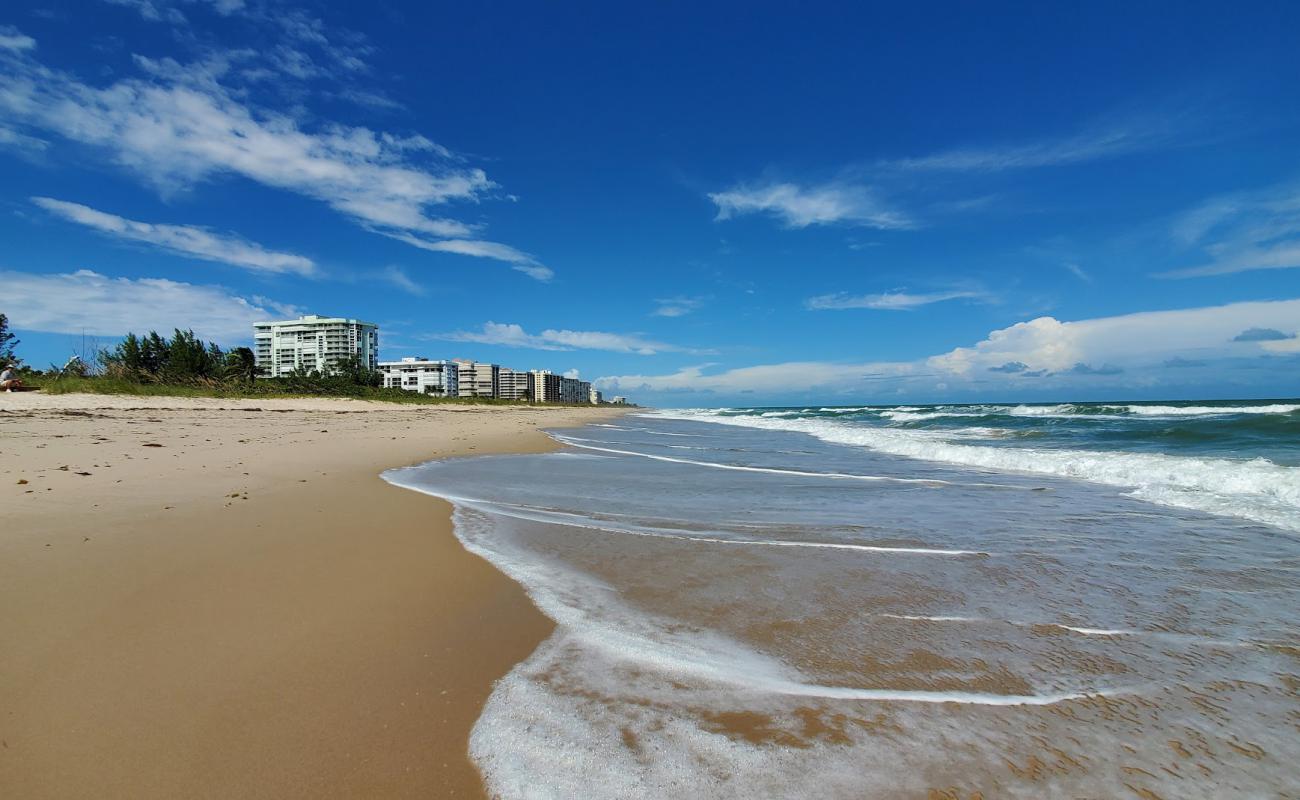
248,610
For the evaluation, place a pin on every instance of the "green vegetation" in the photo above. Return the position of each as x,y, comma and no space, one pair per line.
282,387
7,344
186,366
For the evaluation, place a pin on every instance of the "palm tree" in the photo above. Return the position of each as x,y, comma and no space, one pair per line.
241,364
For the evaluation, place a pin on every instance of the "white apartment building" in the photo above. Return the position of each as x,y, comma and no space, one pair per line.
313,343
476,378
438,378
512,384
595,396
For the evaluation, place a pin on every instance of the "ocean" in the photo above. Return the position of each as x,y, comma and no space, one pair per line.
1018,600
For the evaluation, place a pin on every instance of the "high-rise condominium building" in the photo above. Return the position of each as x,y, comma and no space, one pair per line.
544,386
438,378
573,390
476,378
512,384
313,343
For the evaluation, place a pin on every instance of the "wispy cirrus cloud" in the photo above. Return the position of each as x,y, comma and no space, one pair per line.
13,40
1089,145
102,306
799,206
891,301
398,278
523,262
186,240
177,127
1241,232
511,335
677,306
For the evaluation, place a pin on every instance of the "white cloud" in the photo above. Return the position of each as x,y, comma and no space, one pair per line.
397,277
802,206
1087,146
522,261
185,240
1242,232
510,335
102,306
1135,340
677,306
1126,350
178,127
889,301
1078,272
21,141
11,39
285,310
764,378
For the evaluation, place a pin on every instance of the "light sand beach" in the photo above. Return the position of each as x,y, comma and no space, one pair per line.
222,598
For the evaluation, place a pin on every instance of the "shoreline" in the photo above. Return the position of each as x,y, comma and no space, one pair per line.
250,609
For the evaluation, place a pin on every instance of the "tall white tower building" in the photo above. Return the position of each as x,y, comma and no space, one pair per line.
313,343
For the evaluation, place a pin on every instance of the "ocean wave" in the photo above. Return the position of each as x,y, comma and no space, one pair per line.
1070,411
1256,489
1202,411
574,441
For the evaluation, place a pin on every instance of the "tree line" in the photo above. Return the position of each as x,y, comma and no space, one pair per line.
183,359
186,359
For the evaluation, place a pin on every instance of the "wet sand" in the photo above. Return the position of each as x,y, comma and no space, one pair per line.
221,598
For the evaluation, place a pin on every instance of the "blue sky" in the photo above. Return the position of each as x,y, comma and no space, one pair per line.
691,204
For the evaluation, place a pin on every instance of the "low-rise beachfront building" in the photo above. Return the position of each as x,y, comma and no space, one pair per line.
477,378
437,378
313,342
512,384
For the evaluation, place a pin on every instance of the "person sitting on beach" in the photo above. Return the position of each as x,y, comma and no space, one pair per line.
9,379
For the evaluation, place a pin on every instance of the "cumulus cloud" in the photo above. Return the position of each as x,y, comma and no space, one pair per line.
185,240
103,306
801,206
1102,351
889,301
511,335
1145,337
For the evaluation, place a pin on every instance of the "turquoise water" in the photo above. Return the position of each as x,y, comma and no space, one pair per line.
1229,457
1234,429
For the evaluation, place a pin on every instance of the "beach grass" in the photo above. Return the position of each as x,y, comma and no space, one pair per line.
99,384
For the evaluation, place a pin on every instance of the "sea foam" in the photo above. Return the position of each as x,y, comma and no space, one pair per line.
1256,489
